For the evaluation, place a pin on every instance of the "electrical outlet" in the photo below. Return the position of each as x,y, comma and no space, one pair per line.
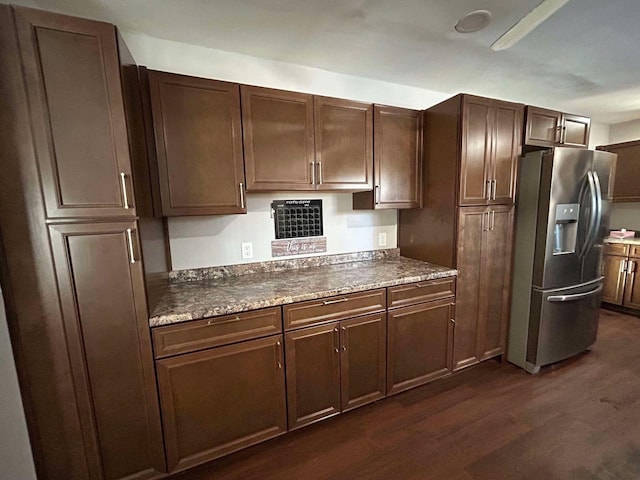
382,239
247,250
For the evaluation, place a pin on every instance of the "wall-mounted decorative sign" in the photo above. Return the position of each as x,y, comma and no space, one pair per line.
298,246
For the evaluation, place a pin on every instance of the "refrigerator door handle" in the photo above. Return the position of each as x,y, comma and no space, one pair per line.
574,297
598,215
592,215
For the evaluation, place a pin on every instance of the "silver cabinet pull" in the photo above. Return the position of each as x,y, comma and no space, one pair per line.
493,220
452,320
132,258
313,173
631,266
279,354
336,340
623,266
329,302
484,214
377,194
241,195
125,197
319,173
494,187
487,190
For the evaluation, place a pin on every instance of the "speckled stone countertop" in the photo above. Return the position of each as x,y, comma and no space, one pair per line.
628,241
192,300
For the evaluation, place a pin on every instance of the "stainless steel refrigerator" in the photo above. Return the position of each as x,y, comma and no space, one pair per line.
562,216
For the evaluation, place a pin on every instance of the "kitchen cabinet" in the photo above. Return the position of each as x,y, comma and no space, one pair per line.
198,144
72,79
626,187
278,139
420,334
221,399
484,270
343,144
336,354
71,259
548,128
621,285
397,161
491,132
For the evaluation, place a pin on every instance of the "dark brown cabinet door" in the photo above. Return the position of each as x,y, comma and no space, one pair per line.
397,153
614,271
543,127
475,168
506,138
496,281
632,286
72,77
419,341
106,325
575,130
343,144
363,363
313,374
278,139
221,400
198,144
472,224
626,187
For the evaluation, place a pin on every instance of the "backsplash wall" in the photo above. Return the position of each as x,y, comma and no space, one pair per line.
197,242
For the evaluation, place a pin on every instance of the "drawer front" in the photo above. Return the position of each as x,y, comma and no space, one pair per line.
419,292
333,308
616,249
634,251
216,331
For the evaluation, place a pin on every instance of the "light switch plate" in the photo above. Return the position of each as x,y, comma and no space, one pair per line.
247,250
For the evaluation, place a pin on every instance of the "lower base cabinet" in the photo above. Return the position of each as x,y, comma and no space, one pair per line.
222,399
335,367
420,340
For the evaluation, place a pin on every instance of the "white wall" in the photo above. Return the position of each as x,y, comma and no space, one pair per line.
16,461
599,134
215,240
625,132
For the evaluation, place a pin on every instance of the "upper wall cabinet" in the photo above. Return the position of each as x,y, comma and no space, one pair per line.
626,187
278,139
491,131
548,128
397,160
72,77
198,143
343,144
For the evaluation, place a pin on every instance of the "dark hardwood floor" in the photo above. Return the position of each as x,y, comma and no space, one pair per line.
577,420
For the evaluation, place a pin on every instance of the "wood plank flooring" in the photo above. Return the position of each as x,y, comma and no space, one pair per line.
577,420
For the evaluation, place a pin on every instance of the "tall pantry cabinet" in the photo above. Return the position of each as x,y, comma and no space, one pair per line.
471,150
72,274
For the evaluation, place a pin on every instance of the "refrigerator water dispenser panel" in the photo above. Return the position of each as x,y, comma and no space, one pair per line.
566,228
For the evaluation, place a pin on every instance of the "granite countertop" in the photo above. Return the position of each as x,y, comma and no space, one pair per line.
192,300
628,241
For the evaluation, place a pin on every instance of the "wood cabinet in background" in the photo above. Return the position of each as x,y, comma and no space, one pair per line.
621,269
222,399
72,79
397,160
626,187
548,128
343,144
614,269
278,134
198,140
484,272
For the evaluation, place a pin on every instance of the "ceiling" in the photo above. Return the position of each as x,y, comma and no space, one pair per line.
585,59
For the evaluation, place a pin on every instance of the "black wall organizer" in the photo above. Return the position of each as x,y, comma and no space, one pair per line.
297,218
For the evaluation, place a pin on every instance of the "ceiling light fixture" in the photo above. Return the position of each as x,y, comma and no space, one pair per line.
473,21
528,23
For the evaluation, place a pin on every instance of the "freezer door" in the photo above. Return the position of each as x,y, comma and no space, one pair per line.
563,322
564,181
603,172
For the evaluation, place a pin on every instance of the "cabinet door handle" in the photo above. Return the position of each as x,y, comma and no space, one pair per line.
377,194
494,187
452,320
558,136
493,220
319,173
631,268
487,190
241,195
484,214
329,302
279,354
336,340
313,173
125,197
623,266
132,258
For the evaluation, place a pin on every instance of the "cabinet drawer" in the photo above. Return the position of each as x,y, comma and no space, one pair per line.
216,331
616,249
634,251
419,292
333,308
